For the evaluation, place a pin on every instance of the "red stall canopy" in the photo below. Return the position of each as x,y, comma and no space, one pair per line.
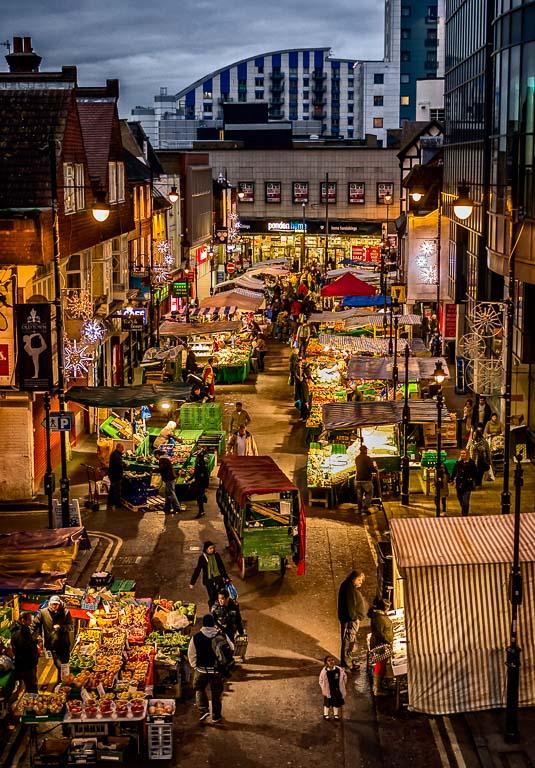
348,285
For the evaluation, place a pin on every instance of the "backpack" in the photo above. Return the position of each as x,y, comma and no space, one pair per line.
224,656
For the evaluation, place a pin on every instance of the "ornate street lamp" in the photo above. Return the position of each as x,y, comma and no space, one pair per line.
439,376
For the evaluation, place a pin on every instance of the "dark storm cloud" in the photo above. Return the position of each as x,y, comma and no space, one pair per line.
175,42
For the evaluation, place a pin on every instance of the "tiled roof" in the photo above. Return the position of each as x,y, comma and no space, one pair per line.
96,120
27,118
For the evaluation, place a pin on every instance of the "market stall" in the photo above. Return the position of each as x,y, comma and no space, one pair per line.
451,576
263,513
377,372
331,462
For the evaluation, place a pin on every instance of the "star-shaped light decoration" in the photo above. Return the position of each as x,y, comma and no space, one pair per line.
93,330
165,252
160,274
78,358
79,305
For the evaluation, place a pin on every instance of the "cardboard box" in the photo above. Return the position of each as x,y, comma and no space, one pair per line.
52,752
113,750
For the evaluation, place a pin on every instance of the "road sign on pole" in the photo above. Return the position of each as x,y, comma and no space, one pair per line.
60,421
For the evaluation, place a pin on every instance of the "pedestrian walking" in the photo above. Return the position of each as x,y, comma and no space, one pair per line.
167,472
303,337
227,615
443,482
25,651
261,347
352,609
54,625
479,452
333,681
239,417
242,443
382,634
191,363
115,475
203,660
464,476
214,573
365,468
466,423
201,481
482,412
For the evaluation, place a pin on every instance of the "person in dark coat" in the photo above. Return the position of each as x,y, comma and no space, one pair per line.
352,609
167,472
201,479
482,412
26,651
479,452
214,573
365,470
191,364
382,633
54,625
115,474
464,476
202,659
226,613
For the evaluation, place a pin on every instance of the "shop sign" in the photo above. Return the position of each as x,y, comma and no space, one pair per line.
182,288
398,293
201,254
247,188
450,321
332,192
300,191
34,341
286,226
273,191
375,253
4,359
356,193
384,188
133,318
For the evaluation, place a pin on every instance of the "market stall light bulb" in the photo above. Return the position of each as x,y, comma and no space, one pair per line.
165,406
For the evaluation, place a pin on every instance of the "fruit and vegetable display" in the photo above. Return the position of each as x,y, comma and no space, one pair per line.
44,703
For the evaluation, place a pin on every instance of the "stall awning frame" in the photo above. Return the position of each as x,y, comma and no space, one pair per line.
338,417
381,368
126,397
377,346
174,328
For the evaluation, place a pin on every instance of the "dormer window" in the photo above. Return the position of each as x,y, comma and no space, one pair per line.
116,193
73,187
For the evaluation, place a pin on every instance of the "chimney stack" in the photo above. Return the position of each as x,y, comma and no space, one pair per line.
23,60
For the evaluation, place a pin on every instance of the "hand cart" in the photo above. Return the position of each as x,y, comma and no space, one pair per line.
97,491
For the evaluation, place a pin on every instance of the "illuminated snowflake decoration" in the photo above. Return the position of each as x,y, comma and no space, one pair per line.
233,235
78,358
165,252
427,249
487,319
79,305
471,346
426,262
428,274
93,330
160,274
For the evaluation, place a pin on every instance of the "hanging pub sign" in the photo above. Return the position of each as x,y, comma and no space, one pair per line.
332,192
273,191
34,345
246,188
221,234
133,318
181,288
300,191
355,192
384,188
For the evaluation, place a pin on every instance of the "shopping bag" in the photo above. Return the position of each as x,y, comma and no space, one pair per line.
380,653
231,589
490,474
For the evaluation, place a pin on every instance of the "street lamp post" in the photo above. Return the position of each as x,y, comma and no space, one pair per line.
405,421
395,376
439,377
326,222
303,239
211,257
186,275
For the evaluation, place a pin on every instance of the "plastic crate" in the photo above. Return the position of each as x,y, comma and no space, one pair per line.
80,729
160,741
123,585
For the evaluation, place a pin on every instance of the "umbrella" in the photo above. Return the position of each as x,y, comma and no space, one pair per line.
348,285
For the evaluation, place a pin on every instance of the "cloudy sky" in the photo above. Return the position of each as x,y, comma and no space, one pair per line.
174,42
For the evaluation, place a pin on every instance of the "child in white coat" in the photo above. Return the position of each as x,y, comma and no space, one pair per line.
332,682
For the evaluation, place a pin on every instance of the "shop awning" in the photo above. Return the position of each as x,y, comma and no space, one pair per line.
456,572
379,368
243,281
337,317
364,344
365,301
376,320
341,416
37,561
174,328
243,475
249,301
348,284
126,397
272,271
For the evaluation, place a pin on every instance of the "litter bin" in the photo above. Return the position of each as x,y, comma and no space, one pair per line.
385,581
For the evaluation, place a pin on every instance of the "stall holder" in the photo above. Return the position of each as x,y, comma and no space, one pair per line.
451,575
263,513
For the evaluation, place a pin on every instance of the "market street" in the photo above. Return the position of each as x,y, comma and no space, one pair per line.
272,709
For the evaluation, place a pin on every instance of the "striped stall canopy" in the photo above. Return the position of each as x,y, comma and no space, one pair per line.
365,344
239,297
174,328
381,368
376,319
341,416
457,613
337,317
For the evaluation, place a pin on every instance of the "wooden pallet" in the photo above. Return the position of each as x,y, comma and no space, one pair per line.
133,507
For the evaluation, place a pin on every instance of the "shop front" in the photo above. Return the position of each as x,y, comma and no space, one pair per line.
264,239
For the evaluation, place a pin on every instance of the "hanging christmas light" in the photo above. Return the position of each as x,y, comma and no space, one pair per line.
93,330
79,305
160,274
77,358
